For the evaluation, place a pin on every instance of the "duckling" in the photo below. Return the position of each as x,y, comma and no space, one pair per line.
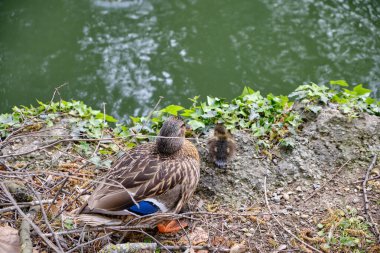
221,147
152,178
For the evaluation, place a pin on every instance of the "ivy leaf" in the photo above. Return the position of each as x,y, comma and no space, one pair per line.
173,109
195,124
359,90
108,118
247,91
339,82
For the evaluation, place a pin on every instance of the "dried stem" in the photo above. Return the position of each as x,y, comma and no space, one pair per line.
374,228
35,227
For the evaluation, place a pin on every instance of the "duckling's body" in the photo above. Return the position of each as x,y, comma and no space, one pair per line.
152,178
221,147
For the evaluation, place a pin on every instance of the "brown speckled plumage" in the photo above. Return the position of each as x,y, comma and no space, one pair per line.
221,147
166,171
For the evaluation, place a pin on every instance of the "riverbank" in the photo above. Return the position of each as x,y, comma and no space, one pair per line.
302,177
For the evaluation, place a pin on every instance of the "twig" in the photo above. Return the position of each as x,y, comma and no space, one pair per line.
151,112
45,216
375,230
95,229
328,181
129,247
35,227
56,90
137,247
369,179
209,248
279,222
25,240
102,134
26,204
6,166
89,242
58,192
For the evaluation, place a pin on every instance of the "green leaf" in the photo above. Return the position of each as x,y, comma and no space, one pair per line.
68,223
321,233
359,90
173,109
108,118
195,124
339,82
247,91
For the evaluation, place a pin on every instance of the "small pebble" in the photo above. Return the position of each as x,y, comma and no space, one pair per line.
289,207
299,189
277,199
297,213
285,196
304,216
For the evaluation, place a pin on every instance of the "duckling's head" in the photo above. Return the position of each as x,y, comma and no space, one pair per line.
220,130
175,128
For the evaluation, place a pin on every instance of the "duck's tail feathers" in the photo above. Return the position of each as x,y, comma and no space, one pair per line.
95,220
221,163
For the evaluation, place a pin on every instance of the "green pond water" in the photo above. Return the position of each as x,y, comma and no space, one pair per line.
128,53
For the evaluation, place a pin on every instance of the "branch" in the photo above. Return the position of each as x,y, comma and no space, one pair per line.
35,227
25,240
375,230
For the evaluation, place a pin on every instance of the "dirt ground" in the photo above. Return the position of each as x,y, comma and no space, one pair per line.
305,199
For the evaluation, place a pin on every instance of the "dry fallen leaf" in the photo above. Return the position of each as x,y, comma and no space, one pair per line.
197,236
9,240
238,248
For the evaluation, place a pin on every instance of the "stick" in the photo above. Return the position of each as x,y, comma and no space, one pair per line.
374,228
129,247
45,217
25,240
35,227
96,229
26,204
331,178
89,242
282,225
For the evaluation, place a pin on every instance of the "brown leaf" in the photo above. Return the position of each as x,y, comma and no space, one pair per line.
196,237
9,240
238,248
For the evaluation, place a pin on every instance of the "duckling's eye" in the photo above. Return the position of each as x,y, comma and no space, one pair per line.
183,125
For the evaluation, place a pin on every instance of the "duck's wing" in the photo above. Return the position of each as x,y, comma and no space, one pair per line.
138,175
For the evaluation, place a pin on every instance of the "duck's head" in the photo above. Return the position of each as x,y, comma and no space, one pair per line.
173,131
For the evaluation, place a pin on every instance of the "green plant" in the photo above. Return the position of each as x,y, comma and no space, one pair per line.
351,102
345,231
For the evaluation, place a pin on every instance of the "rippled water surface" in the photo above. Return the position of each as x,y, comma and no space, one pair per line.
128,53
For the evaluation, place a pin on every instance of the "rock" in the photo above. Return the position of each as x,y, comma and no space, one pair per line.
276,199
285,196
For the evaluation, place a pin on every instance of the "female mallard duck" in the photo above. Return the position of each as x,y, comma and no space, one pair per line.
221,147
152,178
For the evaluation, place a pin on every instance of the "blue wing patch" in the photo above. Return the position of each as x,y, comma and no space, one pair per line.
145,208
